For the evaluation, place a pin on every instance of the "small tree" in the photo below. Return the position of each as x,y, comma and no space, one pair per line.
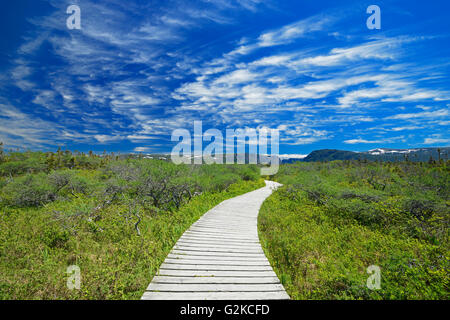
2,156
51,161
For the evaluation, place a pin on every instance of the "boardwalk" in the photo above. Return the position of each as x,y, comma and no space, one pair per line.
220,257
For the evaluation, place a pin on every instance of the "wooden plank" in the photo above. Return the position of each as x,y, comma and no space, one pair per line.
220,240
209,249
196,233
228,220
215,273
215,258
218,262
180,266
276,295
215,240
224,222
212,280
225,229
246,227
218,245
219,254
217,236
203,287
223,219
205,244
243,225
222,231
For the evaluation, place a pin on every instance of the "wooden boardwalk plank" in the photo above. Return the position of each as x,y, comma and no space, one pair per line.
274,295
215,280
217,249
235,245
211,267
204,287
217,254
220,257
215,240
215,273
218,262
202,256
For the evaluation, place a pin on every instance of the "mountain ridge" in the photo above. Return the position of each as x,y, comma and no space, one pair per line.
381,154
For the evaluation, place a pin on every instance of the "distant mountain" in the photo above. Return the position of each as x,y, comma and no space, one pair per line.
289,158
248,158
382,154
330,155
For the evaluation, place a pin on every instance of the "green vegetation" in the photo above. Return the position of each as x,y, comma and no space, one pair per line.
331,221
115,219
386,155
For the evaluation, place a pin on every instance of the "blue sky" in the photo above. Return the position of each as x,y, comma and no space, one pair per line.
137,70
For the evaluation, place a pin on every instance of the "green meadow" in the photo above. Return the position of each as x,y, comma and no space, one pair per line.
117,218
332,220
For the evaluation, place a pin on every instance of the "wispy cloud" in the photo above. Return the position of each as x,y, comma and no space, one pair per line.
436,139
375,141
138,70
441,113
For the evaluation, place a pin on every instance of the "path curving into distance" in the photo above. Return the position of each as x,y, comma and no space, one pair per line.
219,257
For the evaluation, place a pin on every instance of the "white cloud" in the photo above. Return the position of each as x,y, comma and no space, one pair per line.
103,138
275,60
356,141
236,77
294,31
365,141
143,149
292,156
436,139
427,114
406,128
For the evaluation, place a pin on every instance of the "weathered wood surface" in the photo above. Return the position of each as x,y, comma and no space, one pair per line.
220,257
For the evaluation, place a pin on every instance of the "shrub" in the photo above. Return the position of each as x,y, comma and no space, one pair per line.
37,245
20,163
350,194
55,238
332,220
250,173
29,191
419,208
67,181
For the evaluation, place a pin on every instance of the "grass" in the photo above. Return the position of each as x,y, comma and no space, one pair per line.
330,222
115,263
116,221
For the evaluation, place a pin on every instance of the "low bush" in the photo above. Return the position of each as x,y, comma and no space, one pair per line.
331,221
28,191
116,262
115,219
